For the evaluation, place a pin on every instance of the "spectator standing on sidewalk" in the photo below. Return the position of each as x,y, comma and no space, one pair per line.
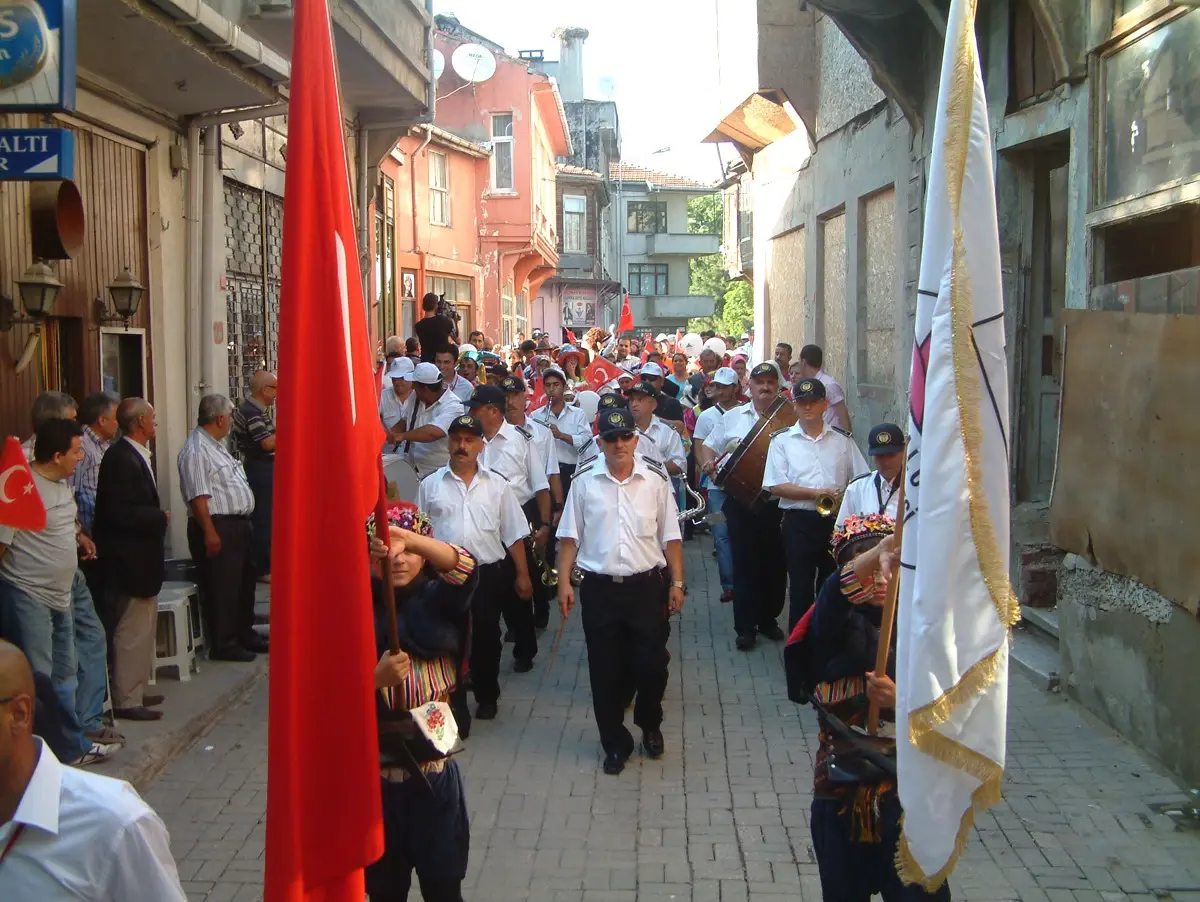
220,502
130,533
66,833
87,595
37,572
254,441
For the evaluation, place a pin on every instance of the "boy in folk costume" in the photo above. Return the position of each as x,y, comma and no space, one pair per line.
829,660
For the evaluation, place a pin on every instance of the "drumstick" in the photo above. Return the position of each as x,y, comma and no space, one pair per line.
562,625
889,605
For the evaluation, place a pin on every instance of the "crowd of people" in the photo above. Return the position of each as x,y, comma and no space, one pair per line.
541,472
547,475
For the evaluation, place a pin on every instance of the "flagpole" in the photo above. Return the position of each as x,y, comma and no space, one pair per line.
889,606
384,535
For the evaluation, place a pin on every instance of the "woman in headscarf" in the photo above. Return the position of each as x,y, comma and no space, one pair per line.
424,805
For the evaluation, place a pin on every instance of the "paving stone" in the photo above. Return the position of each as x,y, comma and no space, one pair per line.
723,817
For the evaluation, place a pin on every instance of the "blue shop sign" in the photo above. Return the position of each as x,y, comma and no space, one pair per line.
36,154
37,55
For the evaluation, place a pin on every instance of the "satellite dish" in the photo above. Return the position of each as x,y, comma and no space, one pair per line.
439,64
473,63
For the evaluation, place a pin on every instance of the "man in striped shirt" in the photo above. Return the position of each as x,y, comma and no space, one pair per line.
220,536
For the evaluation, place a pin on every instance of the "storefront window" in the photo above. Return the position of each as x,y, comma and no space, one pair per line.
1152,110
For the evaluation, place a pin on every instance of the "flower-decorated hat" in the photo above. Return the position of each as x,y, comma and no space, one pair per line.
404,515
858,529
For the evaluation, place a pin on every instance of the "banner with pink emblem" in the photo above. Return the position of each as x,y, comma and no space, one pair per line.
956,605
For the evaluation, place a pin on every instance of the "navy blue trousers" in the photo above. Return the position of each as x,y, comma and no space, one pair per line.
853,871
426,833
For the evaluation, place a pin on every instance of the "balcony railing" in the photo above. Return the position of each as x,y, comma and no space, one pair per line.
686,245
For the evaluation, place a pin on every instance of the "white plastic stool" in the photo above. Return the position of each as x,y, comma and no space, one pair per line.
195,617
174,647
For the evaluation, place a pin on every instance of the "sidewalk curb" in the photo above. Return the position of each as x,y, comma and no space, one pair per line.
159,751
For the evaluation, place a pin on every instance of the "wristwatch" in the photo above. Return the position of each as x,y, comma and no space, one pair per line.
679,584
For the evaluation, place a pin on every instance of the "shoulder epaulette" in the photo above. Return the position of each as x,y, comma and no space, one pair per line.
858,478
842,431
586,468
655,467
496,473
780,431
528,433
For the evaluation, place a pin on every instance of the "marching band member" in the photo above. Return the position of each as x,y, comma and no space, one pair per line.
512,452
567,424
877,493
476,508
759,566
643,400
806,462
424,439
724,393
643,445
620,528
516,398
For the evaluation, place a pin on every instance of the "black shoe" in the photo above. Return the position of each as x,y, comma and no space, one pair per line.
262,619
152,701
486,711
614,762
138,713
522,665
235,653
256,644
745,641
652,743
772,632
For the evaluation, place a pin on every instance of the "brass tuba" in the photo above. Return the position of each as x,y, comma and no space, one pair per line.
828,505
693,513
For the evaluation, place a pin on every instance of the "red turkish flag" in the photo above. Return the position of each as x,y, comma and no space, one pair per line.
571,337
600,372
625,323
20,504
538,398
324,820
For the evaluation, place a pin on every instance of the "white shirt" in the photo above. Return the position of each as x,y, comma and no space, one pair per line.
869,494
830,460
483,517
85,837
834,394
546,443
392,410
461,387
732,426
621,528
515,456
573,423
144,451
429,456
705,424
668,443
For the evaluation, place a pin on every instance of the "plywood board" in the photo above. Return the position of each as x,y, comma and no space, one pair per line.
1127,484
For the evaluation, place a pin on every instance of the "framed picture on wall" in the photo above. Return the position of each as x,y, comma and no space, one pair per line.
408,285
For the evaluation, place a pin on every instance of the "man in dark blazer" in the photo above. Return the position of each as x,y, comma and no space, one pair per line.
129,532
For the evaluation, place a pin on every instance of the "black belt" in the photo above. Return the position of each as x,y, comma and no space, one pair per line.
230,516
633,578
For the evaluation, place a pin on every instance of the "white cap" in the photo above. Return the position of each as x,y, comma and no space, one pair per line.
466,348
725,375
426,374
651,369
625,375
554,371
400,367
661,336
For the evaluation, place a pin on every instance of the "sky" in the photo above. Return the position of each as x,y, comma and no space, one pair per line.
661,57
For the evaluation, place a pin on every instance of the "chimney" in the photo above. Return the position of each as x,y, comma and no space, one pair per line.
570,62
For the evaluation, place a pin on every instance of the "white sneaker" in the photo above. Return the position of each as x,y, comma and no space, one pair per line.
97,753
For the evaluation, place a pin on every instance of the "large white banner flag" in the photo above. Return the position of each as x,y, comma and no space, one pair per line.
956,605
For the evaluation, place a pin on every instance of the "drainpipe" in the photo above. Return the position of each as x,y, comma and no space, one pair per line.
364,225
208,247
192,284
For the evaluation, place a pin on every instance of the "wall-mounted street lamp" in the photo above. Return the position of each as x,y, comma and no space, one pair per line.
125,292
38,288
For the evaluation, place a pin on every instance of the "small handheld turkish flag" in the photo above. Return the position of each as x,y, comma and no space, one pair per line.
600,372
20,504
625,323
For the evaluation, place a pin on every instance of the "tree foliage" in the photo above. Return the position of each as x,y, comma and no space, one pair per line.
734,309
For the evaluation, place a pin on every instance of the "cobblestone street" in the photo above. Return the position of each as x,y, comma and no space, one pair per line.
724,815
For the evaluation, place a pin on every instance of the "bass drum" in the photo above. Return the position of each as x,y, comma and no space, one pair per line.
740,474
402,481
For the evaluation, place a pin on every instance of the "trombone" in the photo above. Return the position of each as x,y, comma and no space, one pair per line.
693,513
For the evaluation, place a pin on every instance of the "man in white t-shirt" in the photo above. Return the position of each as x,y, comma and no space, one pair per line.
811,360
